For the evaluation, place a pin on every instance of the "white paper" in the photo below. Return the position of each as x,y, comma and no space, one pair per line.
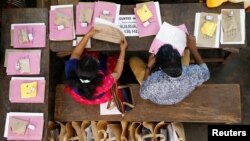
158,13
108,23
127,24
172,35
105,111
54,7
243,29
118,7
78,39
27,78
22,24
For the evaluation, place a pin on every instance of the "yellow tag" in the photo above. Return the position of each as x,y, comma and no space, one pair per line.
208,28
144,13
28,90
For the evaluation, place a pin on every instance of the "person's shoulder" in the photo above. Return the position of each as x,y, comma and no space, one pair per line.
203,65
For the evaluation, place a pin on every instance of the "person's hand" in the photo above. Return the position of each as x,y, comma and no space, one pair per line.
123,44
191,41
91,32
151,60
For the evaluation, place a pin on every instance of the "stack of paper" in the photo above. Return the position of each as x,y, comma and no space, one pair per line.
24,126
20,93
61,21
84,17
28,35
22,62
148,18
169,34
105,111
203,40
232,26
108,31
107,10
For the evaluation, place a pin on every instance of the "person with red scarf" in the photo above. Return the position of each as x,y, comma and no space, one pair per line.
86,82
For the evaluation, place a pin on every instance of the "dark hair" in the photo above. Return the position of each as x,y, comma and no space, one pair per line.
86,69
169,60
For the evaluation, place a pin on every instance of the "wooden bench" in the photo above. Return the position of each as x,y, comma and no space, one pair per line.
214,103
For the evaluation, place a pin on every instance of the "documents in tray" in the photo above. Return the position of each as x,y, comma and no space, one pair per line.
84,17
61,21
107,31
107,10
27,90
28,35
148,18
207,29
24,126
22,62
169,34
232,26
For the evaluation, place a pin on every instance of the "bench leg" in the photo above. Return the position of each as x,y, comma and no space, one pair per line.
231,53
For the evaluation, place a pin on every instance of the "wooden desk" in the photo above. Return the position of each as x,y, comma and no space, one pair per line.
214,103
23,16
172,13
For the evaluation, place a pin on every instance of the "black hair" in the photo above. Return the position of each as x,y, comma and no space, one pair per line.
86,69
168,60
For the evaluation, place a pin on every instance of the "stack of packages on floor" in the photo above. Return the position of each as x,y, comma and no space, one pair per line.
212,29
115,131
23,61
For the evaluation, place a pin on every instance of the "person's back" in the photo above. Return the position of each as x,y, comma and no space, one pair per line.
161,88
88,79
170,82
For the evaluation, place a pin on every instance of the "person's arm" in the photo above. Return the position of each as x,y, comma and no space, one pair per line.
191,44
77,52
151,61
120,61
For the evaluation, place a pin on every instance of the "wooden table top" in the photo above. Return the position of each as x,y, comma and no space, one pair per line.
29,15
174,14
214,103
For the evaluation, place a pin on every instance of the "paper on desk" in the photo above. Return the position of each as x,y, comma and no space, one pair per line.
154,22
105,111
35,119
235,38
83,5
41,27
202,40
38,31
172,35
78,39
127,24
108,31
15,94
68,33
113,8
13,57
